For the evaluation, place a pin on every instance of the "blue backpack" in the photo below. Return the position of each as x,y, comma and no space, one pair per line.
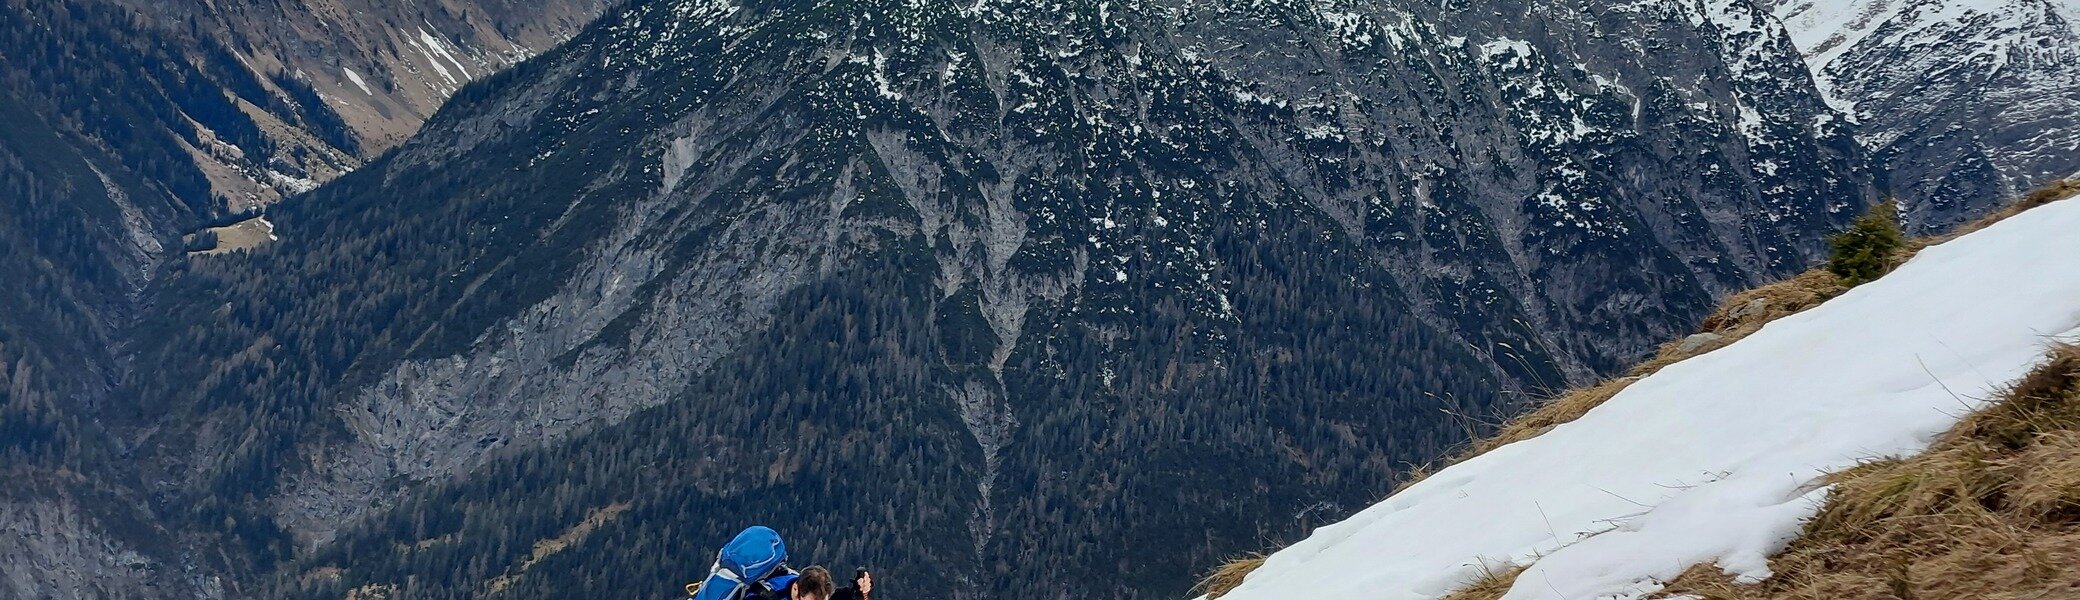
753,564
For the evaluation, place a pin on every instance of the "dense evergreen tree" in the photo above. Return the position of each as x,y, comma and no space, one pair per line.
1870,247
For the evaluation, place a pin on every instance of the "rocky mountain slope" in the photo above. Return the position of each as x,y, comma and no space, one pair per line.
380,68
124,125
1962,102
265,99
127,125
986,287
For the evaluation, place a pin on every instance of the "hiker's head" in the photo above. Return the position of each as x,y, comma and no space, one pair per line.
814,584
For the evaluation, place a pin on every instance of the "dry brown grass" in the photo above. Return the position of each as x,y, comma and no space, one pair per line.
1228,576
1738,316
544,549
1750,310
1491,586
1991,511
243,235
1561,409
2051,192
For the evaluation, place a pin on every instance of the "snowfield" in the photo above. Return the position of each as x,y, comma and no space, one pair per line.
1716,459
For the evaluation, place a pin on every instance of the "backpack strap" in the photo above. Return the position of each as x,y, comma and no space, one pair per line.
718,571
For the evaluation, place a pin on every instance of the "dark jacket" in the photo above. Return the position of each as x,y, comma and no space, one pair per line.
846,592
766,594
849,592
787,582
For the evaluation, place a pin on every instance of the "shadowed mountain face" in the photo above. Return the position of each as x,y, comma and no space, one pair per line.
1005,300
124,125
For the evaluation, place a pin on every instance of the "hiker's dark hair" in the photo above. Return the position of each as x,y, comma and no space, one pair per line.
815,581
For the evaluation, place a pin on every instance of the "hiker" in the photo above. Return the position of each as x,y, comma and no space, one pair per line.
814,583
753,566
862,587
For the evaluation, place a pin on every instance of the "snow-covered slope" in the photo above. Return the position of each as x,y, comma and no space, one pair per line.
1718,458
1972,99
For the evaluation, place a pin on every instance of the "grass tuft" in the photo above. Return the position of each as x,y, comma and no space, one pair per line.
1229,575
1491,585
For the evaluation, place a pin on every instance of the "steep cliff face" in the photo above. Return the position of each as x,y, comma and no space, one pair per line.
1964,103
64,535
909,278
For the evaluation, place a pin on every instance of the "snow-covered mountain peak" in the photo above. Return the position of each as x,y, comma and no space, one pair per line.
1958,99
1986,33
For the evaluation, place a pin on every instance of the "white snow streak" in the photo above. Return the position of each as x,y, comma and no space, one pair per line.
358,82
428,47
441,47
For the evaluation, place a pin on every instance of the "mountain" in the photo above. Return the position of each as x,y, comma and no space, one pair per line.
1719,462
124,126
380,68
984,296
129,124
260,99
1962,102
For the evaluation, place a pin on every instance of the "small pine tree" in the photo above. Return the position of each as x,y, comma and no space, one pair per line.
1866,251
